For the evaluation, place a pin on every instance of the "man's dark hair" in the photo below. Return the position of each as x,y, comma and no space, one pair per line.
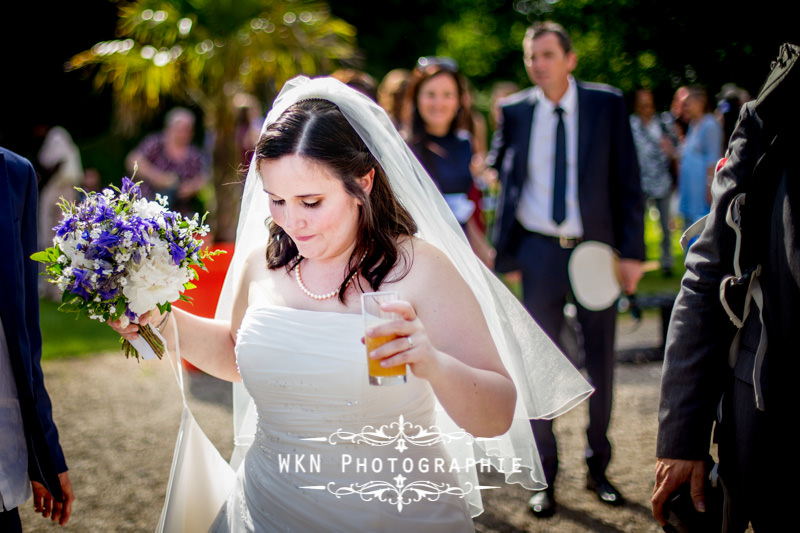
699,92
548,26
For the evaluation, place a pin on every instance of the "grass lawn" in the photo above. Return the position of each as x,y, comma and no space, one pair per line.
654,282
64,335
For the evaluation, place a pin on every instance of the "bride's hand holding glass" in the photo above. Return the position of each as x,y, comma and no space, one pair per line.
411,345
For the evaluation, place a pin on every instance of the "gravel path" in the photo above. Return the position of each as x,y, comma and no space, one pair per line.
119,419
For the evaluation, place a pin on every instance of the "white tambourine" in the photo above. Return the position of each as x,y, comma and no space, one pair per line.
594,275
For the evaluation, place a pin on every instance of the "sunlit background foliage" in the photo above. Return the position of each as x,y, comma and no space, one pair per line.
111,68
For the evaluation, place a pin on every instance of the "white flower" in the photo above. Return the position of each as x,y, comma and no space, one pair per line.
155,280
148,209
68,246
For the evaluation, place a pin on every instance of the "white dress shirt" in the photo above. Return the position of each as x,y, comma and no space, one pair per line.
536,201
15,487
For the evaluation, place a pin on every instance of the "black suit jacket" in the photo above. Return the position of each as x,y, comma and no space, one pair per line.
609,187
19,308
696,361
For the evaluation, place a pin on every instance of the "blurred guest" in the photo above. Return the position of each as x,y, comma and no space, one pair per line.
730,100
437,129
91,180
60,161
358,80
248,126
552,199
699,152
500,90
31,458
478,127
170,165
677,124
676,116
391,92
654,150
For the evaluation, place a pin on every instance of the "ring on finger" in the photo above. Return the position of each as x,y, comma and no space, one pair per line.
410,342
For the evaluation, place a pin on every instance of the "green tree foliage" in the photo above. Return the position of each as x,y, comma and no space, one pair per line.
254,45
205,52
626,43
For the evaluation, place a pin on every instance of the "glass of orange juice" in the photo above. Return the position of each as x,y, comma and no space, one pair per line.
374,315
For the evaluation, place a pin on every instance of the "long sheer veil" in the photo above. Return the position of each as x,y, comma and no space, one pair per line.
547,383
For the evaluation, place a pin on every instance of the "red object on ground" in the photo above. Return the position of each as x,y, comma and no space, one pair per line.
209,284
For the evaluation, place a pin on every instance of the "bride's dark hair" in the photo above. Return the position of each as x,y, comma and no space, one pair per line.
317,129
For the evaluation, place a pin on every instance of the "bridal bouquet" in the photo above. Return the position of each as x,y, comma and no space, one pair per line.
117,255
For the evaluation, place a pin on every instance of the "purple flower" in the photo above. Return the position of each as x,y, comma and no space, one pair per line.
103,246
108,290
178,254
67,225
101,211
129,187
82,286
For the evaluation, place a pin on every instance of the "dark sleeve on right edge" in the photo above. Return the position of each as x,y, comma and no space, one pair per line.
700,332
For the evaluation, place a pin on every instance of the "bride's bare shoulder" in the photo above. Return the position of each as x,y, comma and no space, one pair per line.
426,264
433,281
256,259
255,266
256,273
424,254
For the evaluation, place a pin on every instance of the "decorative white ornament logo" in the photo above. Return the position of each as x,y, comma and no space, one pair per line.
400,433
398,494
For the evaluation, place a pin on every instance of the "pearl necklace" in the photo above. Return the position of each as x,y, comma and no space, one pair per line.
327,295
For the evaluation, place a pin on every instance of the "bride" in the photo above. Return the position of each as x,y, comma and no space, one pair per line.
336,206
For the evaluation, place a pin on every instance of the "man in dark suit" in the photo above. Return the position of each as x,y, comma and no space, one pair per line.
29,447
568,172
742,392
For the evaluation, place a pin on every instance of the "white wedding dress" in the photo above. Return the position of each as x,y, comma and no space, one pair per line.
307,373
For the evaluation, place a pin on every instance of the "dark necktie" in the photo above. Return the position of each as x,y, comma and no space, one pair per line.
560,171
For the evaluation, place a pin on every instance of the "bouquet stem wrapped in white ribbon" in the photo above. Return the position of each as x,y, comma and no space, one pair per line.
117,255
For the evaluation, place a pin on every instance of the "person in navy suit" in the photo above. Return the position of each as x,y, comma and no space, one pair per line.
31,459
568,171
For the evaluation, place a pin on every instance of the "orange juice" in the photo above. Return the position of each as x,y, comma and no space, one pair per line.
374,316
375,368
